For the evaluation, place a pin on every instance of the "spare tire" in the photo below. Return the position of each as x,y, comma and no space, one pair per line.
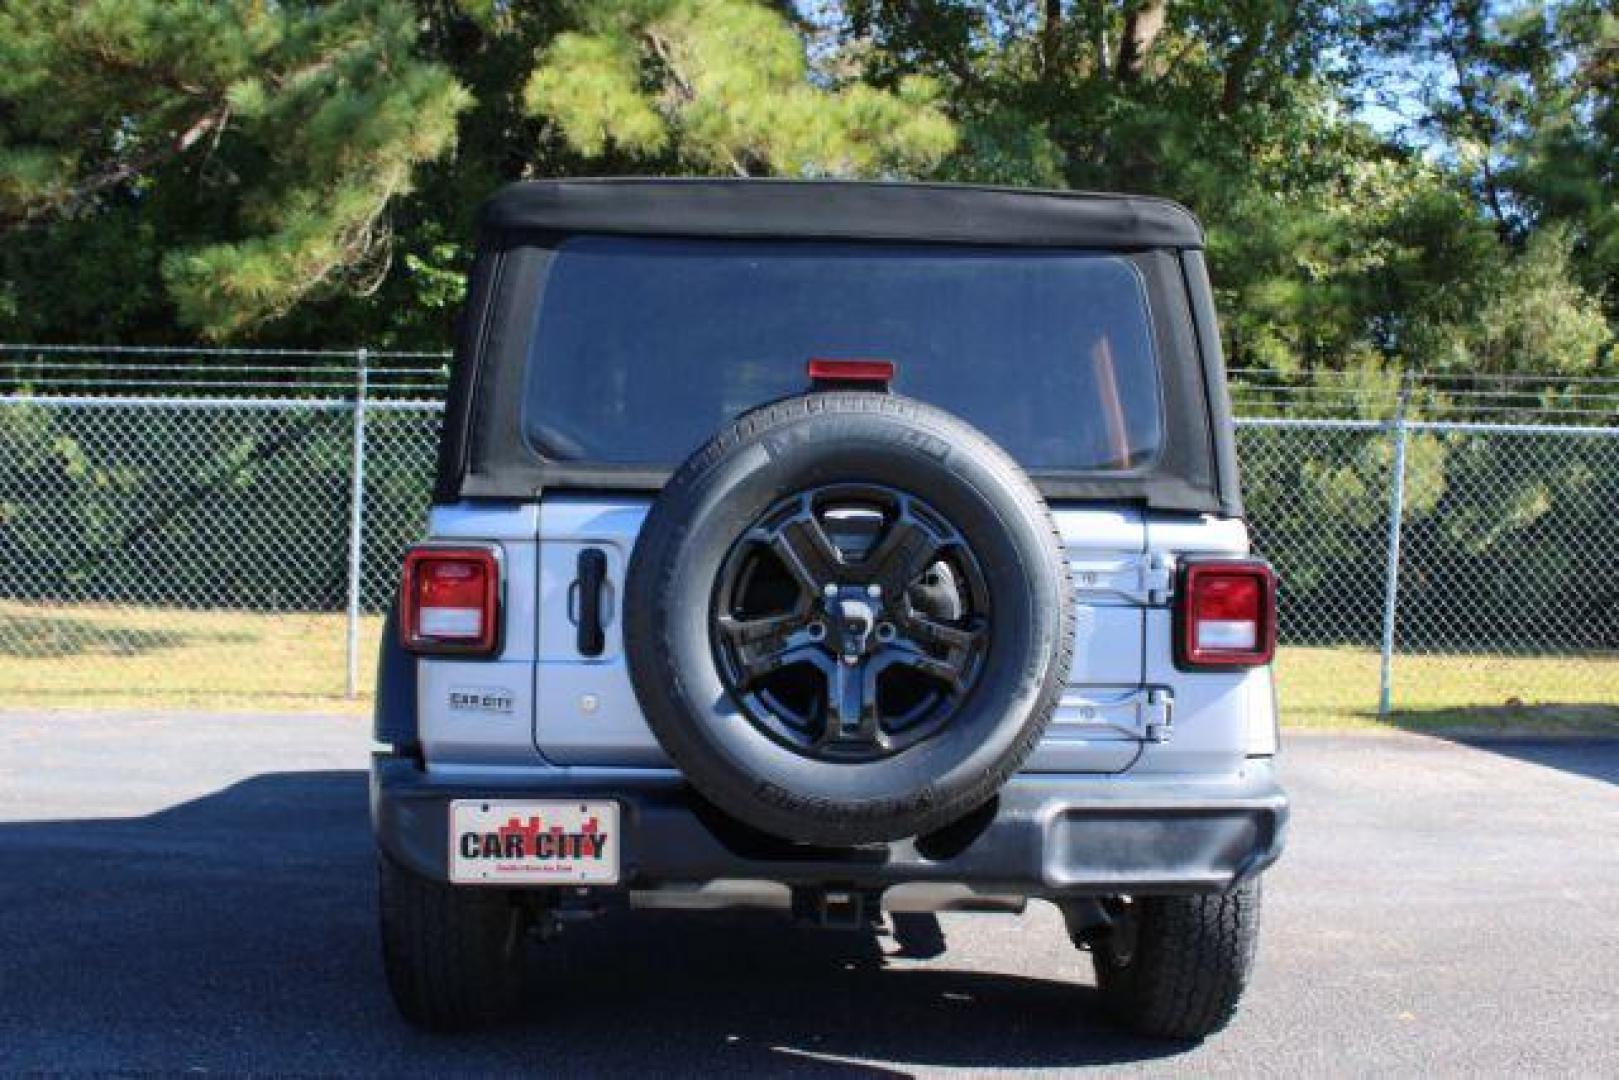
848,618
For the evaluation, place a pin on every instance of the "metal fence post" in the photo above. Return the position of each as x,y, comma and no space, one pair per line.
1391,586
357,520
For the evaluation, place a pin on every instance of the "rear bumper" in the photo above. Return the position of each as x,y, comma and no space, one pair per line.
1044,836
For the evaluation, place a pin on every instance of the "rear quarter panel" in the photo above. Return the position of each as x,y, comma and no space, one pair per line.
478,711
1220,717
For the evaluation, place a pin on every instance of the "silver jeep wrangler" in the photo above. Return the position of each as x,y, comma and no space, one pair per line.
847,549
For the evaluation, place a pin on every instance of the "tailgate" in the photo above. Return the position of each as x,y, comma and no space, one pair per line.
585,711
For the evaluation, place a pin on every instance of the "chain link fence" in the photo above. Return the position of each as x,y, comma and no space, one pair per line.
185,548
1457,569
170,529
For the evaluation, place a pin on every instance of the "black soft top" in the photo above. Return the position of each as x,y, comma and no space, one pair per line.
843,210
485,454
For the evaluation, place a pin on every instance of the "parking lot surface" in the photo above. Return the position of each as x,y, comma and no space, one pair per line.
195,894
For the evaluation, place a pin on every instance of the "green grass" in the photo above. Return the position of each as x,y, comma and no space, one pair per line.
122,657
115,657
1336,688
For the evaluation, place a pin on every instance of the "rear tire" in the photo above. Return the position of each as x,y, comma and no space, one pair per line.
1179,968
453,954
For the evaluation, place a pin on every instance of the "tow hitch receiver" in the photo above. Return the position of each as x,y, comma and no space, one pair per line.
837,909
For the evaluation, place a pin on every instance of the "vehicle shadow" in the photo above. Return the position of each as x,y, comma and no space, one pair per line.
236,932
1581,739
32,636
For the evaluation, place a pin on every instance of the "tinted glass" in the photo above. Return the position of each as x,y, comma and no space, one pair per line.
644,348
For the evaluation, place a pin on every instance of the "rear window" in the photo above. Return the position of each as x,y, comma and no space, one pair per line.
644,348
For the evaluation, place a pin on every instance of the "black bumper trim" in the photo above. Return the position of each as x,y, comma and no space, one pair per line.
1048,836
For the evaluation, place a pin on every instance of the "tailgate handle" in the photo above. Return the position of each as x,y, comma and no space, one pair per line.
592,577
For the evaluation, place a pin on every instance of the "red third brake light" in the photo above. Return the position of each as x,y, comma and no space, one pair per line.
1225,613
877,373
450,602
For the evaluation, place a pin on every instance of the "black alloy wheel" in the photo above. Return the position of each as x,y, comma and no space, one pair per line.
851,622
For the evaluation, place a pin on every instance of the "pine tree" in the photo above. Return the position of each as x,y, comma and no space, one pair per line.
725,86
242,167
273,137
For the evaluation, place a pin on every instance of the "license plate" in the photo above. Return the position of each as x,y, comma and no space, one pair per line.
534,843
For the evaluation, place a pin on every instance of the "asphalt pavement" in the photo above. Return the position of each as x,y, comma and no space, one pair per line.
194,894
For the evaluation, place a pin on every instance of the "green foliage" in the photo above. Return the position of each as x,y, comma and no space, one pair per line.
1524,111
306,173
361,116
592,86
441,285
724,85
1537,318
277,135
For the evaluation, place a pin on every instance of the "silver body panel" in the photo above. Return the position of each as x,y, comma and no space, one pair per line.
486,736
1126,709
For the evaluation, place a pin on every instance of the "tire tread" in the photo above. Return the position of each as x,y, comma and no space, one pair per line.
453,956
1192,961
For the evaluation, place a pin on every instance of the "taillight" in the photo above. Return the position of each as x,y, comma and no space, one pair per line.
1225,613
450,600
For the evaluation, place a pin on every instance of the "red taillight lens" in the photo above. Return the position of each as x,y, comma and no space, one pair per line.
1226,613
450,602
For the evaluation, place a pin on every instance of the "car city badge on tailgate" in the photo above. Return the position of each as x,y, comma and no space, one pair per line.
486,699
534,843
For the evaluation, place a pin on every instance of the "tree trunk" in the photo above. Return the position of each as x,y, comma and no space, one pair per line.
1236,72
1465,22
1051,38
1142,25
